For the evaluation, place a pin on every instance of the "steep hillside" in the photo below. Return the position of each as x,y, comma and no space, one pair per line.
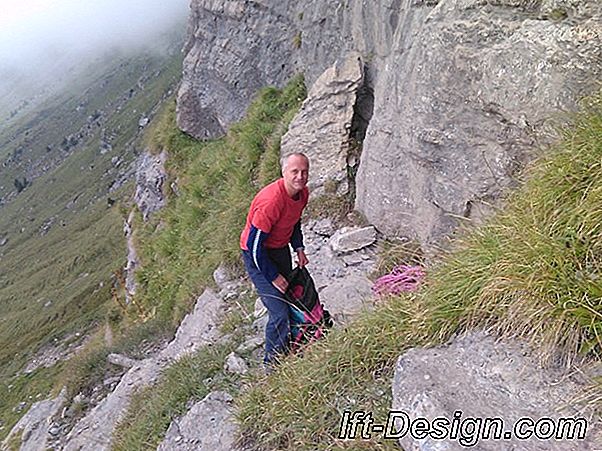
66,168
431,109
531,273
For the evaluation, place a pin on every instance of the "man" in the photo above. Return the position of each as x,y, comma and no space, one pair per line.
274,221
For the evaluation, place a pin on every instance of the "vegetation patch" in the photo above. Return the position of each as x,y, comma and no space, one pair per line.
181,246
184,243
532,271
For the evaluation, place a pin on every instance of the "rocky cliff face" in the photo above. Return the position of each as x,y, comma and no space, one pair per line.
457,92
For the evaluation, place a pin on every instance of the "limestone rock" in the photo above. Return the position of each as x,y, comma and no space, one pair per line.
483,378
345,297
200,327
353,259
121,360
150,177
34,425
251,344
466,93
132,260
322,129
350,239
236,364
260,309
208,426
326,266
222,276
260,323
323,227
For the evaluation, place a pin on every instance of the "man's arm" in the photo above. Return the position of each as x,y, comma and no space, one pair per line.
261,259
258,253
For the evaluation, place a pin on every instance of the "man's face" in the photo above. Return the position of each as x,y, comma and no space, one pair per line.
295,174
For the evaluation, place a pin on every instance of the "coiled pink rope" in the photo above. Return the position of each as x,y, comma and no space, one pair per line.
401,278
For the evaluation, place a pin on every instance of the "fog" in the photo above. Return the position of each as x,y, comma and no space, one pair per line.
40,40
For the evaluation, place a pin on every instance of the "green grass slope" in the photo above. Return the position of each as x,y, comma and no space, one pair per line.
57,282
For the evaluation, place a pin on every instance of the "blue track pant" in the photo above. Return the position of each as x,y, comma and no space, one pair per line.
277,331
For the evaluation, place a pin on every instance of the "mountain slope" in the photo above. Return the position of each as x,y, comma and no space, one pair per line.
63,168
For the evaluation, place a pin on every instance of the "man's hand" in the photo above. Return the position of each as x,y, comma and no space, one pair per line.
302,258
280,283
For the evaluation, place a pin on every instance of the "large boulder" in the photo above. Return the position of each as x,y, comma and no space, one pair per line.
467,97
322,129
478,377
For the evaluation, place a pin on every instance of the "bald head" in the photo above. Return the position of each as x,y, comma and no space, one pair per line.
295,172
297,156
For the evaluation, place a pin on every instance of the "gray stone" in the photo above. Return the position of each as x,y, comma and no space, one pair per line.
208,426
260,323
54,430
251,344
110,381
143,122
33,426
323,227
20,407
350,239
198,328
353,259
3,241
347,296
121,360
222,276
322,128
236,364
485,378
230,295
259,309
150,177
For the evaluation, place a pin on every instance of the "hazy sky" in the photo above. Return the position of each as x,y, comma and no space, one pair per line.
33,31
